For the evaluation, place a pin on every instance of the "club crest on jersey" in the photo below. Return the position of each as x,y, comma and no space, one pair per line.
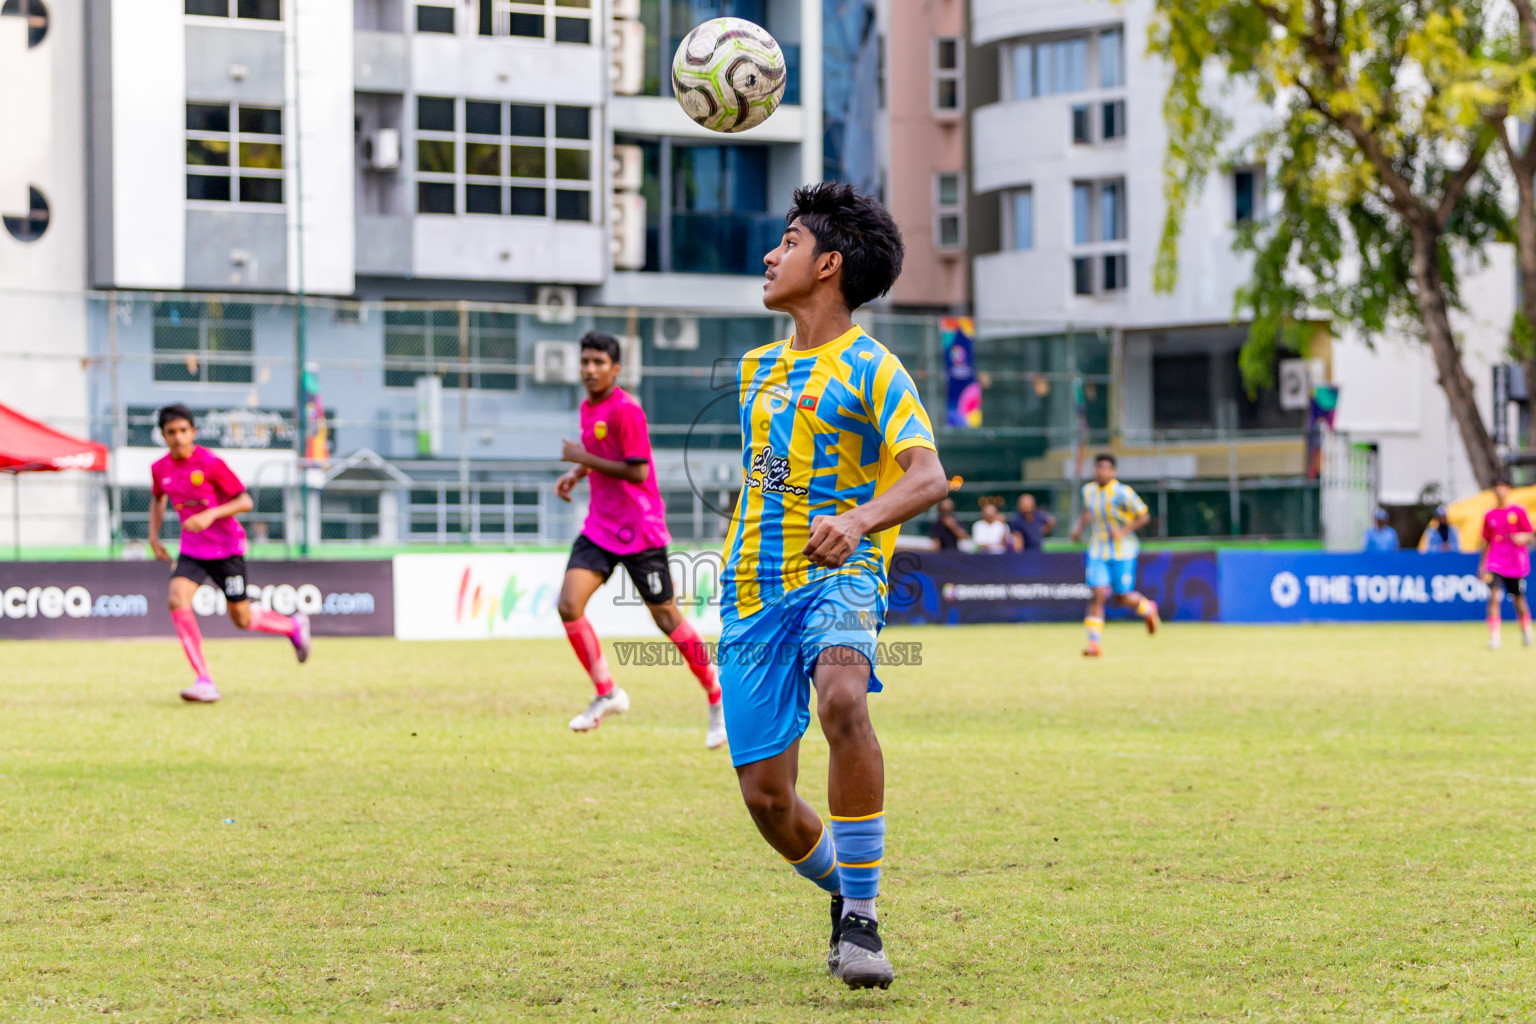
197,478
600,430
770,473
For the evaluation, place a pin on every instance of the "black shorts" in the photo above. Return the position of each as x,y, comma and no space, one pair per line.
227,574
648,568
1514,586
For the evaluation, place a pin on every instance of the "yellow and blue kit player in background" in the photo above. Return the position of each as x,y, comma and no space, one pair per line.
837,453
1113,513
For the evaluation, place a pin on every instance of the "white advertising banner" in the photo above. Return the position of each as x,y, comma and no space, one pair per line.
480,597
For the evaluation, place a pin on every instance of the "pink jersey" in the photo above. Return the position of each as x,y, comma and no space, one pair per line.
624,517
1505,557
201,481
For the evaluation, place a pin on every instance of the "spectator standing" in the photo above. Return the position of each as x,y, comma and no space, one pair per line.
946,531
1029,526
1381,537
1440,536
990,532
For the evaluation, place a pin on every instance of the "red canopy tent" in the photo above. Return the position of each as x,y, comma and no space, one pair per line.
27,446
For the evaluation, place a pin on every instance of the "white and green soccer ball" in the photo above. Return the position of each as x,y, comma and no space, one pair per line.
728,75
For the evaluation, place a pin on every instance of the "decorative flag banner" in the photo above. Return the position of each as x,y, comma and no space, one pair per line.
1324,406
317,446
964,399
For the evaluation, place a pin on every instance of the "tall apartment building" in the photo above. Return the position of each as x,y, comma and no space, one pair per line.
922,120
1064,217
193,152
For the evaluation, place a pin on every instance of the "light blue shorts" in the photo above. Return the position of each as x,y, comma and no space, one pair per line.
768,659
1119,574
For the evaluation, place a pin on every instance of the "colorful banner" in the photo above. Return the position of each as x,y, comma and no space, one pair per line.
1323,408
481,597
317,435
117,600
1396,586
964,399
952,588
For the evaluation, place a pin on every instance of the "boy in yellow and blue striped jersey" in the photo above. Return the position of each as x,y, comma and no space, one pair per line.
1113,513
837,454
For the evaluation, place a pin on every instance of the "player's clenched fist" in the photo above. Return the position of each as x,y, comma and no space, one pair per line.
833,539
572,451
565,484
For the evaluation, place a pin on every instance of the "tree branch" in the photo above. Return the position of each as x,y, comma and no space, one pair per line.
1457,185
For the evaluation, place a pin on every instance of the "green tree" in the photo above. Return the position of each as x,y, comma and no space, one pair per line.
1384,113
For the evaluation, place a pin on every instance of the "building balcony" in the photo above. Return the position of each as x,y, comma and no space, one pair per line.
995,20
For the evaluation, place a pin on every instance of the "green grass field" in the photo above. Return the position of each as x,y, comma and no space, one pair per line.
1221,824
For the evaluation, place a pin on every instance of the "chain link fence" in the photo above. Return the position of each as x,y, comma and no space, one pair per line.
442,422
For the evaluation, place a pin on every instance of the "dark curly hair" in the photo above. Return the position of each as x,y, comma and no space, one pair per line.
601,342
844,220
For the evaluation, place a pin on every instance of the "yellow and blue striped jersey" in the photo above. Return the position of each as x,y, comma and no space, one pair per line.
821,430
1114,504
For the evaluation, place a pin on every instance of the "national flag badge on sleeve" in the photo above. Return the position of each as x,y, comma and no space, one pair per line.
808,401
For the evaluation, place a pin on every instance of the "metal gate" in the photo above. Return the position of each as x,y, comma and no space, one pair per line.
1350,480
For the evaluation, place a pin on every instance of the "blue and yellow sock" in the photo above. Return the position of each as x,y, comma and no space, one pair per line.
860,849
820,865
1095,627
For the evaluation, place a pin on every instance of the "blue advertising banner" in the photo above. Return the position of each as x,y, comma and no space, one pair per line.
1395,586
953,587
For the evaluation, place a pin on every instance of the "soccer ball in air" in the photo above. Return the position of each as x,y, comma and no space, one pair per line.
728,75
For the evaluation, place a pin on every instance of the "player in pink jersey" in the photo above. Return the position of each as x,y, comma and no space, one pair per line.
1506,561
207,496
626,525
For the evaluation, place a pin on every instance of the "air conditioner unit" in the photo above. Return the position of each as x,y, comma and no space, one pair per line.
626,72
628,168
556,304
628,231
626,9
381,150
1295,385
630,368
677,333
556,362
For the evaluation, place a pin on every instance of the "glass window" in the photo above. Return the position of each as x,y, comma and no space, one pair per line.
1111,59
946,74
435,114
1244,190
1022,208
1112,211
209,8
1082,212
1082,133
262,10
949,189
479,169
1082,275
240,165
572,123
1022,72
482,118
434,19
1113,120
203,342
949,218
564,21
418,343
1114,272
948,236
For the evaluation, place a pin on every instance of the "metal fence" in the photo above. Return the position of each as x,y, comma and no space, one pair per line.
443,421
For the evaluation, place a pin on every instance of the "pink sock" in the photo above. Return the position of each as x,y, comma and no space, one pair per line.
271,622
1525,621
191,637
697,656
590,653
1493,626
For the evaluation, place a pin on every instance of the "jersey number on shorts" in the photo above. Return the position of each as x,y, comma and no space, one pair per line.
653,581
234,586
